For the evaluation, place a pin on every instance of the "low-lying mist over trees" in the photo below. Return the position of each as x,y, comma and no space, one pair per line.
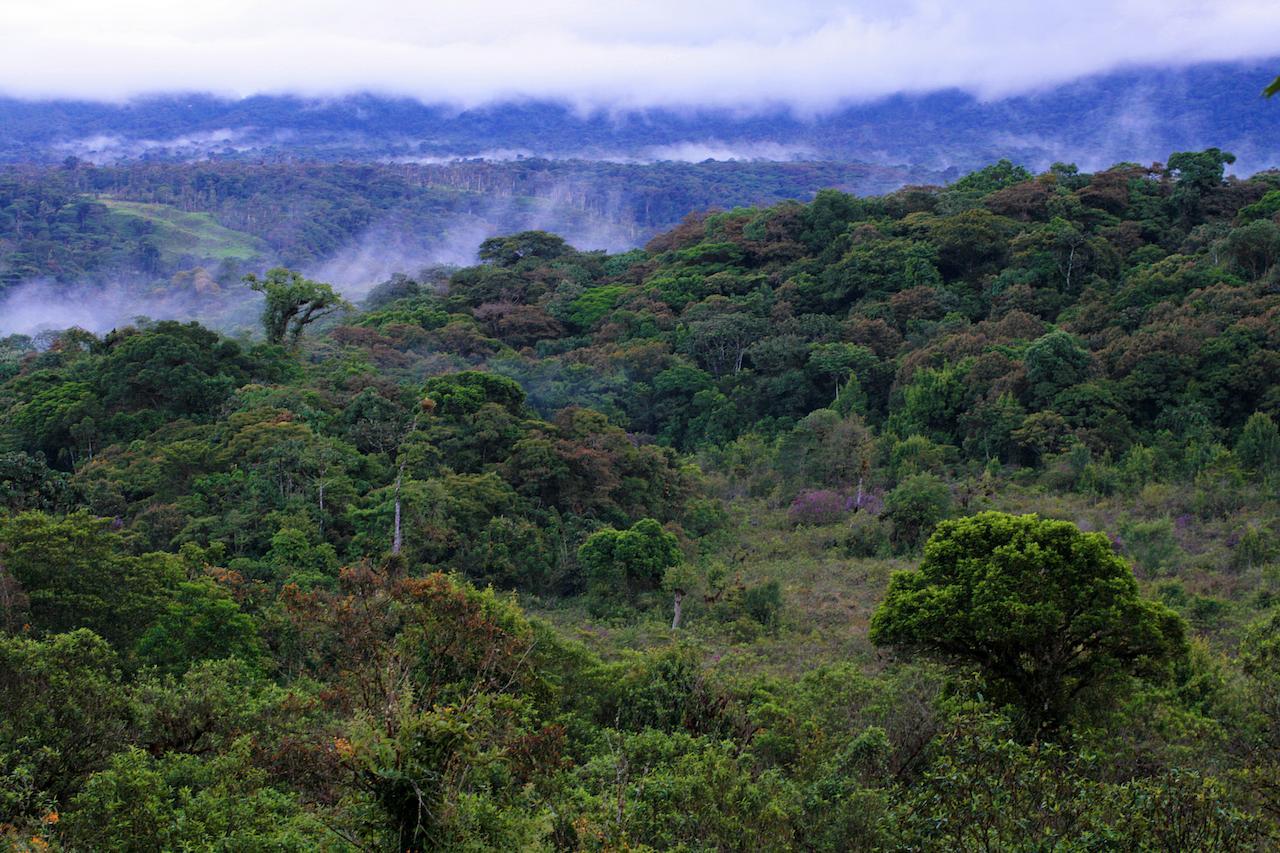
95,246
1137,113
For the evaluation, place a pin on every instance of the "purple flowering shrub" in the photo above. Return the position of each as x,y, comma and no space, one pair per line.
818,506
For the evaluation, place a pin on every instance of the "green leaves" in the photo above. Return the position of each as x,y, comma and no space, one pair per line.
292,303
628,561
1045,613
201,622
76,574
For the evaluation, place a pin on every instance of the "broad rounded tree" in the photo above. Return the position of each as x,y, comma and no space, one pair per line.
628,561
1046,613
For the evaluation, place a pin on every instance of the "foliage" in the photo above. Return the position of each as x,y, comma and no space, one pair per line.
913,508
1049,616
292,303
206,642
628,562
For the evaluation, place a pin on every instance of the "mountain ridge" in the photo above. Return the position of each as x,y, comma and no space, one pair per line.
1146,111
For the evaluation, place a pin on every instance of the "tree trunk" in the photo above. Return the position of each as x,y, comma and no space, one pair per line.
397,540
675,619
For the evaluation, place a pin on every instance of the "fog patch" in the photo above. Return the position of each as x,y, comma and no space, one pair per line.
42,305
105,149
699,152
584,216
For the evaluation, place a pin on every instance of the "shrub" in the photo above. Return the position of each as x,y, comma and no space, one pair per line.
818,506
763,603
914,507
867,536
1152,545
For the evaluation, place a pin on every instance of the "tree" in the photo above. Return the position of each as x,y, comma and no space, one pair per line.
629,561
64,714
1196,173
914,507
27,482
1047,614
1254,248
75,575
1259,446
293,303
527,245
202,622
1054,362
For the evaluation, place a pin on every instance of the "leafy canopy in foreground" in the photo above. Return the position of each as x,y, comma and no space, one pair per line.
1045,611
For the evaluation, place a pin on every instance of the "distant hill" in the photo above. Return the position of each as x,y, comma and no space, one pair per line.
1137,113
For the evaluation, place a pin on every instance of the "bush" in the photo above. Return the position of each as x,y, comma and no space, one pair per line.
628,562
1152,545
867,536
818,506
1255,547
763,603
914,507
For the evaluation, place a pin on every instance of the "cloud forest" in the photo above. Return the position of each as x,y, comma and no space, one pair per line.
572,427
943,518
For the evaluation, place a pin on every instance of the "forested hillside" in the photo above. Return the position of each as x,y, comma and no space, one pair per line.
166,224
726,543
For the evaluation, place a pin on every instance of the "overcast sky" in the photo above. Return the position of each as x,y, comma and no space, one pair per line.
809,53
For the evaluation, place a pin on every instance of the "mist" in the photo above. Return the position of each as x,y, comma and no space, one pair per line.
395,246
391,246
42,305
811,55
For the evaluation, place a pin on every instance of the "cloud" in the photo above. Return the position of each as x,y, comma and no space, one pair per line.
809,54
111,148
42,305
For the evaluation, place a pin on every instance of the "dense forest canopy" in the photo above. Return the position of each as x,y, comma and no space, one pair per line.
939,519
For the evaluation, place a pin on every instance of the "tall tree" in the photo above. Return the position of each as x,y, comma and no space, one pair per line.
292,303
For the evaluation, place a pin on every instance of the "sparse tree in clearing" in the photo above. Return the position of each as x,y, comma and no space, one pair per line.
1046,613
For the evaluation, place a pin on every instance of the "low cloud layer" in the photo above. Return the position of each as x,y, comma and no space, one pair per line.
810,54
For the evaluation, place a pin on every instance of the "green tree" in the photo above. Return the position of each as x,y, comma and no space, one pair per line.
1054,362
527,245
1195,174
76,575
628,561
292,303
1048,615
913,508
186,802
202,622
64,714
1258,448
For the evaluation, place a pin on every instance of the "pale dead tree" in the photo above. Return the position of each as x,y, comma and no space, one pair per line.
426,408
677,614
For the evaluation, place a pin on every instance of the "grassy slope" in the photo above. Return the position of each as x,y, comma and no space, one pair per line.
178,234
828,597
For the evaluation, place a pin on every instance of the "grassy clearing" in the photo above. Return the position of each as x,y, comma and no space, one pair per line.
828,597
180,234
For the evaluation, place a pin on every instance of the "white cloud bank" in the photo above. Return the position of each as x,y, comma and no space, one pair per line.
810,54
